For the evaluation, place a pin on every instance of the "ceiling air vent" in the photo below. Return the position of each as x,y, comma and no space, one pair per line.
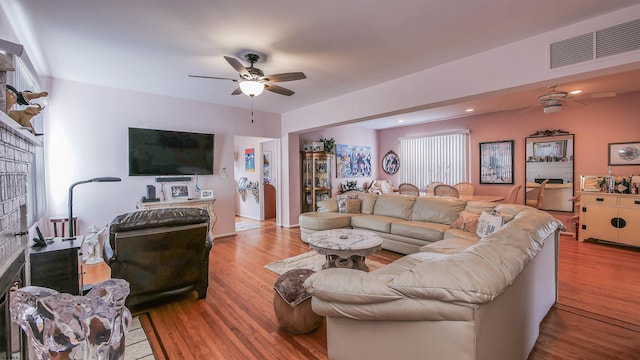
571,51
618,39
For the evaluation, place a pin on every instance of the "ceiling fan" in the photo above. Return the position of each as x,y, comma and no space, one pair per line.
554,100
252,81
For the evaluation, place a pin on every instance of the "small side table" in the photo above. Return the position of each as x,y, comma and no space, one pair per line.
63,220
345,248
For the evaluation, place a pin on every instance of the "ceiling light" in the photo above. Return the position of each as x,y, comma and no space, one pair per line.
575,92
552,108
251,88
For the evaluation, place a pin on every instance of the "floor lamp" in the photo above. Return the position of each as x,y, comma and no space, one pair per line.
99,179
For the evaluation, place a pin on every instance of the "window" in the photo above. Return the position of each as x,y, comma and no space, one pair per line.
440,157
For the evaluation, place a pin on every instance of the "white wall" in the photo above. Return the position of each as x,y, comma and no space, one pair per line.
86,137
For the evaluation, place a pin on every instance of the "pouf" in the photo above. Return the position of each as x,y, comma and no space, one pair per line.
292,303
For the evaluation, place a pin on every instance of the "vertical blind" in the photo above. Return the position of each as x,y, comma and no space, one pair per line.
439,157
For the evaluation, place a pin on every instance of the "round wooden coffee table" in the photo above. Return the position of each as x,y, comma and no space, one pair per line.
345,248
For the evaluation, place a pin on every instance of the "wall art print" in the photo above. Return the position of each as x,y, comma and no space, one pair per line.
496,162
353,161
624,153
249,160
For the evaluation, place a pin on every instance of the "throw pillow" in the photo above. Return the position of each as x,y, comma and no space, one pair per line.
353,206
488,224
342,201
467,221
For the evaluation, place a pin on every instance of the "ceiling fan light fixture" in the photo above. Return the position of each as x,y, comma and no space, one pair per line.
552,108
251,87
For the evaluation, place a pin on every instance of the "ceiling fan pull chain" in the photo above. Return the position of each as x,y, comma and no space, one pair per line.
252,109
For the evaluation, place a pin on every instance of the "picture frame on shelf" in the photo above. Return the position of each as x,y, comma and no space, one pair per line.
591,183
206,194
496,162
179,191
627,153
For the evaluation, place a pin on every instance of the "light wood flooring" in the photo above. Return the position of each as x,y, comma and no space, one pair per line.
597,317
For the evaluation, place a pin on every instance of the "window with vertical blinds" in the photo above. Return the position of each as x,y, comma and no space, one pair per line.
439,157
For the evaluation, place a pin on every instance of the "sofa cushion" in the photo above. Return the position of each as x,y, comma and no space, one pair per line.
457,233
373,222
437,209
398,206
449,246
368,202
329,205
419,230
477,207
349,286
324,220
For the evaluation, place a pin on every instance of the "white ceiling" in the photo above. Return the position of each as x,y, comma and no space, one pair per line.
342,46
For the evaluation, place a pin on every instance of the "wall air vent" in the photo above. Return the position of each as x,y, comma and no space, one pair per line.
571,51
595,45
618,39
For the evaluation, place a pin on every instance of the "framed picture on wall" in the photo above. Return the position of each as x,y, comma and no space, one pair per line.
353,161
249,160
624,153
496,162
390,163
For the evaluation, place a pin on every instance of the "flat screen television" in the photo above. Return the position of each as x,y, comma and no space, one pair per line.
161,152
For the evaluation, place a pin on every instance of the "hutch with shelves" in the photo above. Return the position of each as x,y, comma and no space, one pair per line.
316,179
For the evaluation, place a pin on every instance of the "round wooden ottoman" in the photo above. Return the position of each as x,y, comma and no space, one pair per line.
292,303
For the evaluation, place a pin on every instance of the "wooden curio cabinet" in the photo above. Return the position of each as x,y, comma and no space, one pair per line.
316,179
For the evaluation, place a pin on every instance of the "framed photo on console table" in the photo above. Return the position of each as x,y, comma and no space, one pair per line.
624,153
496,162
179,191
206,194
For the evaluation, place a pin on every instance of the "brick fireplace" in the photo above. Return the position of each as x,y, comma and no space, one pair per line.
17,148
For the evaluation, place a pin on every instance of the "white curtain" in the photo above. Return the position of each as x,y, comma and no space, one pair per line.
439,157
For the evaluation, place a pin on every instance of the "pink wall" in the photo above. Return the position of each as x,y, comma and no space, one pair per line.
595,125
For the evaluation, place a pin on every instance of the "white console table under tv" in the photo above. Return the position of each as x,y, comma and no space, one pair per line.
206,204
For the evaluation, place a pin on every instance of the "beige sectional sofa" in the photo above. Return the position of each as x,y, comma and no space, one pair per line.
406,223
458,298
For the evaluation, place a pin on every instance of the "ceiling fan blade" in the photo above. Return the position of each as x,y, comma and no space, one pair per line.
212,77
236,64
278,89
237,91
530,108
285,77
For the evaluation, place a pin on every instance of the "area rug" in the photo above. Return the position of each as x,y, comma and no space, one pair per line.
310,260
137,345
245,225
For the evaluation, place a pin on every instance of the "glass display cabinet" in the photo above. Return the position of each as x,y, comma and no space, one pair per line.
316,179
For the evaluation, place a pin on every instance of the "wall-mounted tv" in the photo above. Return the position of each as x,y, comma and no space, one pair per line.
161,152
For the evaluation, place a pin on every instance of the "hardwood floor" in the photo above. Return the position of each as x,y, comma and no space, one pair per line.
597,317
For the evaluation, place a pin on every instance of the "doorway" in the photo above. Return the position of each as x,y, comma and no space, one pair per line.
256,172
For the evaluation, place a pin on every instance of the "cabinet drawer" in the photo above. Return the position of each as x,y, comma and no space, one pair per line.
635,201
599,199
